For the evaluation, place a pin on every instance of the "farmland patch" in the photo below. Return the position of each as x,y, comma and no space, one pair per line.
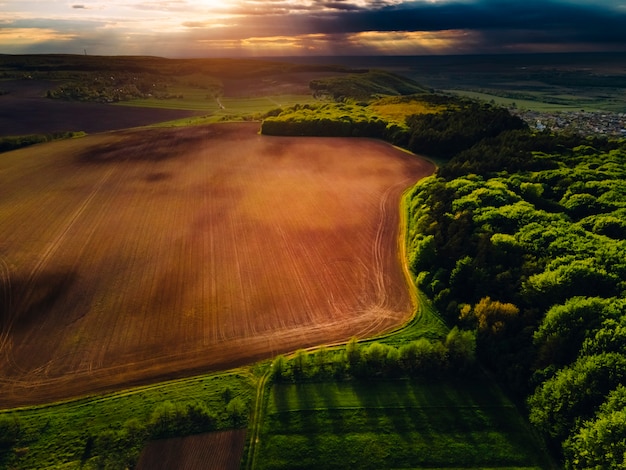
220,450
144,255
26,110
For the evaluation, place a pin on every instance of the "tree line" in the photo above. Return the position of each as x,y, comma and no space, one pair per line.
461,124
454,354
8,143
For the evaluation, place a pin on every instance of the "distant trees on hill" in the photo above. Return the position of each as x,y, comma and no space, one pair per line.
109,87
458,128
364,86
438,134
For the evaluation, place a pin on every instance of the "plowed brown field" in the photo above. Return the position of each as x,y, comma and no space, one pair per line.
142,255
220,450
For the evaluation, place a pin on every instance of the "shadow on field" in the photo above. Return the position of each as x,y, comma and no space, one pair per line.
145,146
158,176
24,304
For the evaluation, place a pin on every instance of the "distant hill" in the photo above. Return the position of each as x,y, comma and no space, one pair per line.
365,86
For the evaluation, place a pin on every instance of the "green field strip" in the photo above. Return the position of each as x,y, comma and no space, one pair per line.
417,393
376,450
526,104
199,101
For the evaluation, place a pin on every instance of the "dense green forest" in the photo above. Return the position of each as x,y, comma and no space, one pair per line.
520,237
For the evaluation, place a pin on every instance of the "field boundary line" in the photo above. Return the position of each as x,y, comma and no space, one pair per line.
257,420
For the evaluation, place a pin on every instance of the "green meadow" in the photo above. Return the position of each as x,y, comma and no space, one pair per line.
195,99
410,423
532,105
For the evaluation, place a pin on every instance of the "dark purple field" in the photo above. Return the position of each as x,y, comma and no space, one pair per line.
26,110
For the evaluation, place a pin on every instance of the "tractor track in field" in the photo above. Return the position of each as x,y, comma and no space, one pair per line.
13,309
244,247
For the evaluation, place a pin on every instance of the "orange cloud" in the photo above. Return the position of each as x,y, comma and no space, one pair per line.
17,36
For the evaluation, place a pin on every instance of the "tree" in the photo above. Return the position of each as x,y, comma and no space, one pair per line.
10,431
353,353
574,393
574,277
237,411
423,254
423,357
375,359
611,337
493,316
564,328
279,369
601,442
461,346
300,363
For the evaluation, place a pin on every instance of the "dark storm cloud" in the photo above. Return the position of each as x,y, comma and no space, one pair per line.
577,22
339,5
318,26
501,23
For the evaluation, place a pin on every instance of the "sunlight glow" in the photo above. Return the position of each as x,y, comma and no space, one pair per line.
411,42
32,35
345,27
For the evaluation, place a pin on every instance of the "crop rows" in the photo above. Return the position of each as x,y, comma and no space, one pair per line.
217,450
140,255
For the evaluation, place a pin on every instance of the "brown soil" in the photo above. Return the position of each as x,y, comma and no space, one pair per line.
137,256
221,450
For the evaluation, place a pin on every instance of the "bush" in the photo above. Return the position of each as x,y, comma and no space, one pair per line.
170,420
9,431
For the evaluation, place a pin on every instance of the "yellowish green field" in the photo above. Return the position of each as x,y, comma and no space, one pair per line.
398,112
523,104
200,100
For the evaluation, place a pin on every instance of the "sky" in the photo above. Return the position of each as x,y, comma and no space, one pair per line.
262,28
